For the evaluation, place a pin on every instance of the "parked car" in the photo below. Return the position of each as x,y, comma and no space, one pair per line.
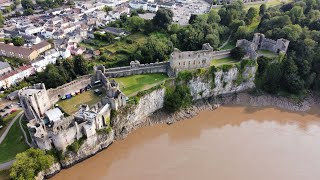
6,114
7,107
2,110
14,110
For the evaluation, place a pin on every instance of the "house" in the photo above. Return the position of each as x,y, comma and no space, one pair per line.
116,31
23,52
50,57
4,67
18,52
41,47
13,77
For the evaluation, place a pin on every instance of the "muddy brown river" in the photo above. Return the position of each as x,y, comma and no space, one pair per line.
230,143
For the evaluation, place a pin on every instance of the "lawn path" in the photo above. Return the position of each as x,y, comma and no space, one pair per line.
6,165
9,127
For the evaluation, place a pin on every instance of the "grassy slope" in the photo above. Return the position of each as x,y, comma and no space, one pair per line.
13,144
72,105
133,84
219,62
7,120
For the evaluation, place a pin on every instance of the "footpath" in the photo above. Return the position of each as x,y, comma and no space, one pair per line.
8,164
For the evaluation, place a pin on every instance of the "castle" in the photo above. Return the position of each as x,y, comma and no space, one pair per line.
49,127
260,42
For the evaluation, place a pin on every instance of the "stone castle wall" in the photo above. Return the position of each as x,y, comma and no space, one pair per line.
161,67
187,60
71,87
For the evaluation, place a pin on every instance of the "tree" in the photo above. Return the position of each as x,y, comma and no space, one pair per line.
135,23
263,9
163,18
213,40
296,14
237,53
251,15
68,64
155,50
28,11
80,65
272,78
178,98
1,19
27,4
107,9
29,163
213,17
18,41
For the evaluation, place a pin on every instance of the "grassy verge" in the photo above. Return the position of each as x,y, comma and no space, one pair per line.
12,144
7,121
131,85
25,128
72,105
219,62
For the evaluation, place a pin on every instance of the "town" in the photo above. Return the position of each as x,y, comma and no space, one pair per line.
75,76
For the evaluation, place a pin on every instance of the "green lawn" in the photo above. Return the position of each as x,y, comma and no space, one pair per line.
12,144
267,53
72,105
219,62
133,84
7,121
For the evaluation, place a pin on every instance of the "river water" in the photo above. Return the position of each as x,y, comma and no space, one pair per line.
230,143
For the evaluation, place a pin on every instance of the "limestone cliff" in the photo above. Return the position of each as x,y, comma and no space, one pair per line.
132,116
224,82
90,147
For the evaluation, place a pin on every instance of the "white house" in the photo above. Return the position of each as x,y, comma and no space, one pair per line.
15,76
33,30
50,57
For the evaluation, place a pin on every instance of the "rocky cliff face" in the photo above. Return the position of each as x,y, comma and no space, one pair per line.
90,147
224,82
132,116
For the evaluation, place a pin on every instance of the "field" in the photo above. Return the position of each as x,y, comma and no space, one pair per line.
12,144
131,85
219,62
72,105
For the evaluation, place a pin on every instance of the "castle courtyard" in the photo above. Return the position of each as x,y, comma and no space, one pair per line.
72,105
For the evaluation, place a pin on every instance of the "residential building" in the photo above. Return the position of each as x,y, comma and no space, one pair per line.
4,67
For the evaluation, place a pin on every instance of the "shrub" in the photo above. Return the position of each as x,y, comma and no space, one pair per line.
177,98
